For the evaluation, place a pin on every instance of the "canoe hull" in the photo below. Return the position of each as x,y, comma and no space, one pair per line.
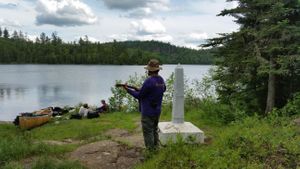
34,121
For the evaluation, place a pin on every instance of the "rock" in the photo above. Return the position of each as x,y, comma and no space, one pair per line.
106,155
297,122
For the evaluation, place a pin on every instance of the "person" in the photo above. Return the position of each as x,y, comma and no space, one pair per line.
83,111
103,108
150,99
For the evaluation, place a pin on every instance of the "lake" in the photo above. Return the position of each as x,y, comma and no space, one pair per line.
25,88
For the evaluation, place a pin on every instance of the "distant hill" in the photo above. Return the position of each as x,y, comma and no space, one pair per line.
17,49
172,54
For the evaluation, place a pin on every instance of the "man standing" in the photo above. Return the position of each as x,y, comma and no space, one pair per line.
150,98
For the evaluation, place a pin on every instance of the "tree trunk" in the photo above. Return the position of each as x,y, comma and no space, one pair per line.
271,88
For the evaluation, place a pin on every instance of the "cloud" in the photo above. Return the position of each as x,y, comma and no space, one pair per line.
139,13
148,26
32,37
9,23
144,29
203,7
64,13
125,4
195,38
126,37
89,38
138,8
8,5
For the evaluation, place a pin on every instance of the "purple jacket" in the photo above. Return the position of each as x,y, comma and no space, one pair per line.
150,95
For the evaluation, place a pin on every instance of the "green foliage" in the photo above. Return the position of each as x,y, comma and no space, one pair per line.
16,144
121,100
13,165
19,50
292,107
51,163
219,113
21,146
85,128
260,61
250,143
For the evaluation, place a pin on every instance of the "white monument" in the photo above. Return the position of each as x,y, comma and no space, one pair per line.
170,131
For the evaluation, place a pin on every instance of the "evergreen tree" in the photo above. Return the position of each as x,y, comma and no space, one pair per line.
15,35
255,62
0,32
43,38
5,33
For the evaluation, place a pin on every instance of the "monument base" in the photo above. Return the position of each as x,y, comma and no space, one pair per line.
169,132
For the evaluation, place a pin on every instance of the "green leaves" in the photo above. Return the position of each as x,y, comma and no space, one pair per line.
267,44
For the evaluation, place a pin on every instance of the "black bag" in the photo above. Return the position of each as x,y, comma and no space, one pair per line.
76,116
91,115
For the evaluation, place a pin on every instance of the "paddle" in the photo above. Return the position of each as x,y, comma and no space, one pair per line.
132,87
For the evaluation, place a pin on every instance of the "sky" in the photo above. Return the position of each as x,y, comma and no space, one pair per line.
181,22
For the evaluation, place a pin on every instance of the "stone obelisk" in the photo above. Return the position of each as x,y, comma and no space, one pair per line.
178,96
169,131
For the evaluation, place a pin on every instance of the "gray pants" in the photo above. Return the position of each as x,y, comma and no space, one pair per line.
150,131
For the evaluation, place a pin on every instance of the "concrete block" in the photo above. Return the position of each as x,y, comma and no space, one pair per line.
169,131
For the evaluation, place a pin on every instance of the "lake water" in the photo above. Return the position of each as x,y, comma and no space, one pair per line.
25,88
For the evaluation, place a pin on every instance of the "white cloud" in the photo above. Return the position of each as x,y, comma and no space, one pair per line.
195,37
125,4
9,23
148,26
8,5
144,29
130,36
90,38
138,8
204,7
160,5
140,13
64,13
120,37
158,37
32,37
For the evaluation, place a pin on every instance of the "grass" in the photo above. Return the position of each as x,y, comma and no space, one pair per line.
85,128
16,144
251,142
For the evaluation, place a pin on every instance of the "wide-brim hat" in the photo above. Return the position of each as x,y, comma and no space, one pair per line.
153,65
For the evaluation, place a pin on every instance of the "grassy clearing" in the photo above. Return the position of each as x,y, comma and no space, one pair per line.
247,142
271,142
16,144
85,128
46,162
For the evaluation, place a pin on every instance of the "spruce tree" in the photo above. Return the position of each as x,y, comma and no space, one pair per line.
255,62
5,33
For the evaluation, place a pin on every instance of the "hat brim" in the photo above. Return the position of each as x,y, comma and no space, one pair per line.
152,68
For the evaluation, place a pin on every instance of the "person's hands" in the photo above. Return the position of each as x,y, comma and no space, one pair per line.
137,89
125,86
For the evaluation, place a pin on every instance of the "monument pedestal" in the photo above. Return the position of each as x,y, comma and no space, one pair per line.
169,131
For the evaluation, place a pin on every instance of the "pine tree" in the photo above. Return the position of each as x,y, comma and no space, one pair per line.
255,61
5,33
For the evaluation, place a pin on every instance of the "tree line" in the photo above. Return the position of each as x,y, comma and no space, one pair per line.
18,49
258,66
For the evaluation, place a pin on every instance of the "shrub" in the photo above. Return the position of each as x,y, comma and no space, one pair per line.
292,107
